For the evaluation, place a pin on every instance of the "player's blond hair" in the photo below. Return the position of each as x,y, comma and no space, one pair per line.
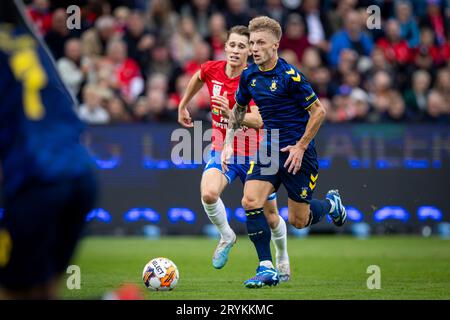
264,23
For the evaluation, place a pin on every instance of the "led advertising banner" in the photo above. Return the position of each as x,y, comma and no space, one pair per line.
394,177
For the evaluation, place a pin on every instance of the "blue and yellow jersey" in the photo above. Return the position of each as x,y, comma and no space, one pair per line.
283,96
39,130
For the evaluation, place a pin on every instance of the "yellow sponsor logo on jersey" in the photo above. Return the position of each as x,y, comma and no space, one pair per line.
253,83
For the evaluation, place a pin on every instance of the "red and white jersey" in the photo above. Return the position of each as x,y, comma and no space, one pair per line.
246,140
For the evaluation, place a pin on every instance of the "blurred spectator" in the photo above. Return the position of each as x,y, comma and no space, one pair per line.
322,84
96,39
316,24
40,14
394,48
217,36
156,106
276,10
437,110
409,29
435,19
416,97
70,67
162,62
310,61
121,14
161,18
57,36
117,110
183,41
91,110
202,53
139,40
341,105
360,105
294,37
347,63
236,13
442,84
200,11
380,92
396,112
120,72
197,102
428,54
336,17
158,81
351,37
291,58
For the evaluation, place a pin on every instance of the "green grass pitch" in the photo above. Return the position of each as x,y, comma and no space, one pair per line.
323,267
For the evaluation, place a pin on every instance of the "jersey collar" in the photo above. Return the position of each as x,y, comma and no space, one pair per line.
273,67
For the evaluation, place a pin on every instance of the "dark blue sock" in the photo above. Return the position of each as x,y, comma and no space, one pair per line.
318,208
259,232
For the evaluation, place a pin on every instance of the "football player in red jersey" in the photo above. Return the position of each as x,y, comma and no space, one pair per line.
222,79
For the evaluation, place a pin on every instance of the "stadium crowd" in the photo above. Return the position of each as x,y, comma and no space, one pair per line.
131,60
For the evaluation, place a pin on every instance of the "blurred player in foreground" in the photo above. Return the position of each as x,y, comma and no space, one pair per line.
286,103
222,79
48,184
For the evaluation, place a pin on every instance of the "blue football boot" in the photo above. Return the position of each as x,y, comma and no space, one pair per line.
338,213
264,277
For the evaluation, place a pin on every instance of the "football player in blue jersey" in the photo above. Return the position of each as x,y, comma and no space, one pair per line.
290,108
48,184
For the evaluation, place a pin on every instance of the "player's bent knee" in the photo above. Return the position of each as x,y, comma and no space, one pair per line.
210,197
249,203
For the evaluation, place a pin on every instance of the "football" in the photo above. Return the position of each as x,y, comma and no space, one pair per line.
160,274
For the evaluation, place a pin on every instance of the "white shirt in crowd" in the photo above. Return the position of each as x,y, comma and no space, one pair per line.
95,115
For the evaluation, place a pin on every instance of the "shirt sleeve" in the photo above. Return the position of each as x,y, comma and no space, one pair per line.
302,91
204,69
243,95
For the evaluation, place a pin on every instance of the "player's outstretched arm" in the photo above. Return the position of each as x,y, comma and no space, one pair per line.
317,116
235,121
194,85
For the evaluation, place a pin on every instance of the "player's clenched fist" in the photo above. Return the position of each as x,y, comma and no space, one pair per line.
184,118
223,104
294,161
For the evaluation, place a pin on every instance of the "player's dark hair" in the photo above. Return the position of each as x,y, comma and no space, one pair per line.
240,30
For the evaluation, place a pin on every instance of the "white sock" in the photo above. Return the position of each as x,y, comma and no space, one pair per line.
266,263
218,215
279,239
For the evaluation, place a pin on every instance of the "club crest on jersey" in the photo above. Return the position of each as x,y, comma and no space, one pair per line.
216,111
273,87
304,193
253,83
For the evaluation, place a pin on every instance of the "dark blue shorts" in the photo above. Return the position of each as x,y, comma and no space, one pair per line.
40,228
300,186
239,168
